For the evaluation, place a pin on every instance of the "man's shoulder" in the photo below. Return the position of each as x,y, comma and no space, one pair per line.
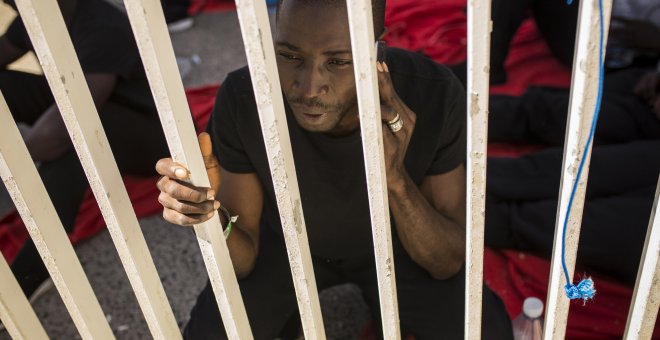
237,92
418,78
416,65
239,79
422,83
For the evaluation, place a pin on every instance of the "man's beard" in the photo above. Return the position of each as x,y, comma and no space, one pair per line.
315,103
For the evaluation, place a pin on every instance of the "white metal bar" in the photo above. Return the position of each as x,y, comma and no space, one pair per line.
150,30
584,90
255,28
16,313
32,202
478,60
364,60
646,299
53,46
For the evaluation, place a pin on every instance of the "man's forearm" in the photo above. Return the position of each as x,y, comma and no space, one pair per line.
243,252
242,248
432,240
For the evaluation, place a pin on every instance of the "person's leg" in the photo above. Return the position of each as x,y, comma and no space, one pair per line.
539,115
522,204
430,308
611,237
556,22
27,95
268,295
137,142
509,121
136,138
66,184
507,16
536,176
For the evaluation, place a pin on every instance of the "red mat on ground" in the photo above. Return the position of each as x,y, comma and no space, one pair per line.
197,6
141,191
515,276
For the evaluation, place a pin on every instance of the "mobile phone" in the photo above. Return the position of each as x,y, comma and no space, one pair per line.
380,51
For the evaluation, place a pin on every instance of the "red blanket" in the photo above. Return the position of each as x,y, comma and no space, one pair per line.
142,191
197,6
515,276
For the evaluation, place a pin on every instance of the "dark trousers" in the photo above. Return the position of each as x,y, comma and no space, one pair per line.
556,22
136,139
522,192
522,198
428,308
539,115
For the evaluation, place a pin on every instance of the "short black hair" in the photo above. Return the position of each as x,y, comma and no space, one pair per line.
377,8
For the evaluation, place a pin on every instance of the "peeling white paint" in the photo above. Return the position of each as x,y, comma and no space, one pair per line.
581,109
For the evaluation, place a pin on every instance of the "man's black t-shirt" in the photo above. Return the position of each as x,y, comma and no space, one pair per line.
104,42
330,170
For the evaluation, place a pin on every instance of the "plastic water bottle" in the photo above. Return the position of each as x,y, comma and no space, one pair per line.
528,325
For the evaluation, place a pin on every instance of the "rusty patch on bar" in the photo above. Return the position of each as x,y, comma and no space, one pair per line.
474,101
388,267
297,212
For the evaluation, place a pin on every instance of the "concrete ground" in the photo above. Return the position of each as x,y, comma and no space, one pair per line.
216,39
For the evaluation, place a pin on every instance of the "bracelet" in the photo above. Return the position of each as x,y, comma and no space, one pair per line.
230,220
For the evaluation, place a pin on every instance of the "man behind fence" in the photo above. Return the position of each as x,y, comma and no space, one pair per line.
423,108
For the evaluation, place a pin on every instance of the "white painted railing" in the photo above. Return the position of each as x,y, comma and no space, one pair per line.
364,61
148,22
31,199
584,89
478,60
57,57
646,299
54,49
260,52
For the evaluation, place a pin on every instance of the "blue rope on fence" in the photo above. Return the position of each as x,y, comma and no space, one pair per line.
584,290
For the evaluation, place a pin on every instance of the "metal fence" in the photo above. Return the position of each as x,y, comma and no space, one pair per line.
55,52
